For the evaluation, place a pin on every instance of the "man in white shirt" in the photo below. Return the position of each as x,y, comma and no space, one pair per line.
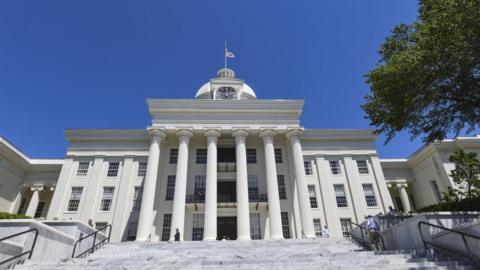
373,229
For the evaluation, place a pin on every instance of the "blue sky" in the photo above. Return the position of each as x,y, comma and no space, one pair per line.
92,64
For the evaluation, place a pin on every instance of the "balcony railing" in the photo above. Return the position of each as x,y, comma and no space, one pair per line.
227,198
226,167
195,199
255,197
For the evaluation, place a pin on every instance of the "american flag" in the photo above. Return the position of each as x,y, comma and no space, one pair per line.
229,54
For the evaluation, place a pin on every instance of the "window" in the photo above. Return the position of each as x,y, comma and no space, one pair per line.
253,187
335,167
107,197
308,167
173,156
170,188
362,166
74,201
101,225
132,231
278,155
39,210
436,190
142,169
199,192
346,225
340,195
369,195
251,156
285,225
137,199
201,156
313,196
113,169
318,227
255,229
167,224
197,231
281,187
82,170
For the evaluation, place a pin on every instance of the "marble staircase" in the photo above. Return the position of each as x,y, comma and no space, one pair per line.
327,253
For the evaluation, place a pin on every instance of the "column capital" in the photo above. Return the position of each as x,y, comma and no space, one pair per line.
401,186
157,135
267,135
294,134
212,133
184,134
239,134
36,188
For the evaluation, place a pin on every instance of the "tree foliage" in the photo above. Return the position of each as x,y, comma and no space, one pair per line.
466,176
428,78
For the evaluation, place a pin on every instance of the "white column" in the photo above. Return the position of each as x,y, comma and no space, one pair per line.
302,189
272,186
404,197
33,204
210,221
178,212
145,221
243,213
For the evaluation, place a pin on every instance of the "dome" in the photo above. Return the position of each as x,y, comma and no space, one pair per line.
225,75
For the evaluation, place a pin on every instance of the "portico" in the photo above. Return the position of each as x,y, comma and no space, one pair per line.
226,186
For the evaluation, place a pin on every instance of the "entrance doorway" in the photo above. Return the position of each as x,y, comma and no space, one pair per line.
227,226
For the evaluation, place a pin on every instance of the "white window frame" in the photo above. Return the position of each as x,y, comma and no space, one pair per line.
82,172
107,196
312,194
111,168
317,225
307,164
75,196
370,196
132,231
255,226
198,226
362,166
335,167
142,169
137,198
339,190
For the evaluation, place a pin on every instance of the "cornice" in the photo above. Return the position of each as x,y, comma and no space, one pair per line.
338,134
106,134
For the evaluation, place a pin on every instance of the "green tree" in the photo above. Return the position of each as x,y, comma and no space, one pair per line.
465,174
428,79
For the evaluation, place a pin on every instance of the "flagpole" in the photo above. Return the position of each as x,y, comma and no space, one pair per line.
225,53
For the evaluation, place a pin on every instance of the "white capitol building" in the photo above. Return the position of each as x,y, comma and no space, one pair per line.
223,165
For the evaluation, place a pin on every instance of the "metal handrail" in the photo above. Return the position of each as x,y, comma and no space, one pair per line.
94,245
362,239
29,252
470,256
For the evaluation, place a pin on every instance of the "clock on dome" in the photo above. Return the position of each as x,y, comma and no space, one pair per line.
226,93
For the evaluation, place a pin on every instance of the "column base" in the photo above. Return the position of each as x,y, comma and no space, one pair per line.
276,237
244,238
310,237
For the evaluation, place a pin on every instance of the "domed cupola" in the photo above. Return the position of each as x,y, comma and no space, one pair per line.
226,87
